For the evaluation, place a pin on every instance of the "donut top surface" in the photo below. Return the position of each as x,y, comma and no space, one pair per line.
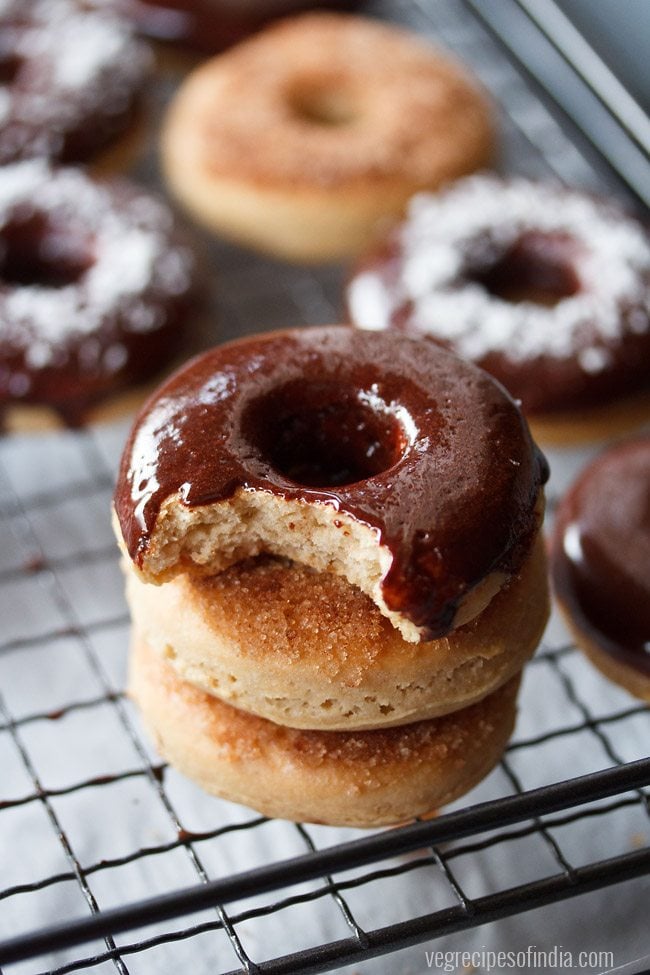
601,552
546,288
426,450
96,285
69,78
326,99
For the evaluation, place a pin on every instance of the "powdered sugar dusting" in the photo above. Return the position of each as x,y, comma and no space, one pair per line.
80,67
479,218
126,280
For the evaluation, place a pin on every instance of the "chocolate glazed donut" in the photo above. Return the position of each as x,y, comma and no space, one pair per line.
414,470
98,291
601,563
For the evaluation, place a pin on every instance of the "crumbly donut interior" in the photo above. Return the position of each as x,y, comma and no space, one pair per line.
209,538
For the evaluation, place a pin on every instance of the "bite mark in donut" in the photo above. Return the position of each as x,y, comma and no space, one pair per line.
236,456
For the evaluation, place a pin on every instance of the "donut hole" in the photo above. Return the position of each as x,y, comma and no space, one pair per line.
538,268
35,252
324,105
322,434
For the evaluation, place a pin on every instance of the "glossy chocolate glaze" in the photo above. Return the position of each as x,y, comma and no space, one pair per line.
436,457
213,25
70,334
70,79
601,553
545,311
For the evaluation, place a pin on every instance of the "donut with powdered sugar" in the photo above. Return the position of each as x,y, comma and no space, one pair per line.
97,289
71,79
546,288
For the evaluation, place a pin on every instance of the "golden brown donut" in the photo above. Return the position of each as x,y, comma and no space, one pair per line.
357,778
600,559
301,140
308,650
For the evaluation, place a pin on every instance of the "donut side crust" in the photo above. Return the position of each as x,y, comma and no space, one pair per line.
364,779
308,650
631,680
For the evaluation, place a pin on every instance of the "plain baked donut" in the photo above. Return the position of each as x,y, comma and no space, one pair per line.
71,79
97,294
357,778
302,139
546,288
308,650
380,458
600,560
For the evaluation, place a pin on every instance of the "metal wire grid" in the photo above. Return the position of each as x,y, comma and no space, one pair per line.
68,485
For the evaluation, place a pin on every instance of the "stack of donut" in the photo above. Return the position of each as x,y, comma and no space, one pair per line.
334,570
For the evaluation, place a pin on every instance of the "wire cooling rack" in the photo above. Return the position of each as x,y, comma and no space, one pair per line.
110,861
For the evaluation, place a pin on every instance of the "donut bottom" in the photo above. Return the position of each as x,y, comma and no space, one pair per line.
627,677
571,429
34,418
354,778
309,650
298,224
122,152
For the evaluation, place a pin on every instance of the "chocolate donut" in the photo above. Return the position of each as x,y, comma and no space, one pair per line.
97,289
601,563
383,459
70,77
546,288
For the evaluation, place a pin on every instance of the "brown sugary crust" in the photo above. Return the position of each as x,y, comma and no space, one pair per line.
358,778
319,111
308,650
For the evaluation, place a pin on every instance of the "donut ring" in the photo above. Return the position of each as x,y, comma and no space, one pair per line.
472,267
305,649
357,778
71,79
380,458
301,139
97,287
601,563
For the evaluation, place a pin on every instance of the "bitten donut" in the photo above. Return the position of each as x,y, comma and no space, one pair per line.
546,288
380,458
308,650
71,79
357,778
601,563
97,294
209,25
302,139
